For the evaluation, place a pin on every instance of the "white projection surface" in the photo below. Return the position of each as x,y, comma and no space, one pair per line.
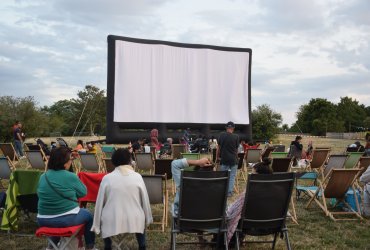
168,84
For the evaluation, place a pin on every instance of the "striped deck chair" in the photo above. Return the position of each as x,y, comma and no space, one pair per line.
335,185
319,158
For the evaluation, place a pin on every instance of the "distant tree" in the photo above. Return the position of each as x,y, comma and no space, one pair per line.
285,127
265,122
91,106
351,113
367,123
26,111
318,117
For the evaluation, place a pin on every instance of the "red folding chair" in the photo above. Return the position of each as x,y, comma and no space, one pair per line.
67,234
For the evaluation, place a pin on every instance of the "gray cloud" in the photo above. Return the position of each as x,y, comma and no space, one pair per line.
301,49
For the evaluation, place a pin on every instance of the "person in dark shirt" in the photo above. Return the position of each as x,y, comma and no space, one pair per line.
296,148
18,139
228,144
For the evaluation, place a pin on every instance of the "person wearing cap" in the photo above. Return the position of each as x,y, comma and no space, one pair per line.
227,152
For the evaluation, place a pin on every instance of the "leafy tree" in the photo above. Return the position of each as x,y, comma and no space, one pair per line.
91,106
318,117
265,122
352,113
24,110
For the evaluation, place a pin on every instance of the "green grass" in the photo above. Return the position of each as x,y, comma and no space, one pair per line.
314,231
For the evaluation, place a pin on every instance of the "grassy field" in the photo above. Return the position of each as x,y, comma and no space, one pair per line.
314,231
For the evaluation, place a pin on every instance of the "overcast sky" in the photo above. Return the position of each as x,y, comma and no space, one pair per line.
301,49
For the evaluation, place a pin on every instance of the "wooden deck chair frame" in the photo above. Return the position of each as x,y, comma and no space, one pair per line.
335,162
144,162
163,167
267,152
36,159
6,168
336,185
108,165
158,194
90,163
253,155
363,164
240,172
352,159
319,158
9,151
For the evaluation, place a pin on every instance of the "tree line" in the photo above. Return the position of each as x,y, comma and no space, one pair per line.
87,114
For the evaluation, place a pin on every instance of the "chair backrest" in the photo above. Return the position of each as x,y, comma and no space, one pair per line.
109,167
177,149
279,154
279,148
241,157
338,182
253,155
363,164
267,151
108,150
319,157
36,159
191,156
33,147
335,161
154,187
89,162
5,168
266,203
202,203
352,159
8,150
281,164
144,161
163,167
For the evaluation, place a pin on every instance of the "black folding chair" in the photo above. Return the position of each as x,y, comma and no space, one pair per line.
202,206
281,164
265,207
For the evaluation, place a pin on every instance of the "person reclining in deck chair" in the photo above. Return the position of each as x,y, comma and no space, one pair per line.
365,178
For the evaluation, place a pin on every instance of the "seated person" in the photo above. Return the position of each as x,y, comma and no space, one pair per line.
296,148
122,205
80,146
365,179
166,147
92,148
58,191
